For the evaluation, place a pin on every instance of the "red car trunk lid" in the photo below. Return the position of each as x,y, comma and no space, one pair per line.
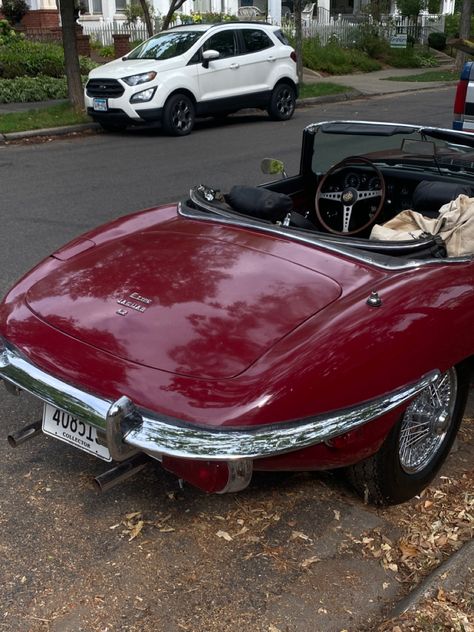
180,303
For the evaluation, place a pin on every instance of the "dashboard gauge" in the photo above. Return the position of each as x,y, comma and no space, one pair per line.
352,180
374,184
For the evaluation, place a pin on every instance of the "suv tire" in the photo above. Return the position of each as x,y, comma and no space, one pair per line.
282,102
178,115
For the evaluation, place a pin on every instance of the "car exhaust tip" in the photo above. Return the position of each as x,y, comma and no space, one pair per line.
25,434
121,472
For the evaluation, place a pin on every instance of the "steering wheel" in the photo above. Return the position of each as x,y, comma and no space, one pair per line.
348,198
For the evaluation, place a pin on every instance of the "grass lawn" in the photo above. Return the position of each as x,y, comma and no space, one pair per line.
321,89
54,116
429,75
63,114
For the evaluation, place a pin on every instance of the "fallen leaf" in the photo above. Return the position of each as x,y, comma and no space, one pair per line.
224,535
135,530
299,534
310,560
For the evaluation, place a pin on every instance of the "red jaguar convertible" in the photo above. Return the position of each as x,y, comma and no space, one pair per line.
320,321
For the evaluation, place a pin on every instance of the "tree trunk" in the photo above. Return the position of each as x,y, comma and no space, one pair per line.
71,58
146,15
464,32
174,6
298,39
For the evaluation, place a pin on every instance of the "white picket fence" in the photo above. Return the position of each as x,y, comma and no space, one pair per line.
103,32
326,28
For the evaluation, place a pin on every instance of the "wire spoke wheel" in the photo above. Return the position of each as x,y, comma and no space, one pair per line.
417,446
426,422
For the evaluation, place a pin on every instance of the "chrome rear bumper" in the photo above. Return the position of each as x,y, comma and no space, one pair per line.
129,429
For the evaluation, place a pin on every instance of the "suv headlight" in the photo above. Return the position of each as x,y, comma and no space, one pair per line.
143,96
135,80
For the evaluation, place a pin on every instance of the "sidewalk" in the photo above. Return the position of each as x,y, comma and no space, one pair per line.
376,83
360,85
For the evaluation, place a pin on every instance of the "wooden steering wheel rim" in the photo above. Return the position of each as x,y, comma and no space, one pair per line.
340,165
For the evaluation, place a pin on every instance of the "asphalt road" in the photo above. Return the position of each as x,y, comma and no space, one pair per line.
53,191
69,558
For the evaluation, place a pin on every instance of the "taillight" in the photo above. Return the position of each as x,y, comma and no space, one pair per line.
211,476
293,56
460,99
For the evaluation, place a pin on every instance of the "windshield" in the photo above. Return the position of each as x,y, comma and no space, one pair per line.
166,45
388,144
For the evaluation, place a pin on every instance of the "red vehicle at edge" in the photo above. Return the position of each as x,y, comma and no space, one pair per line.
252,331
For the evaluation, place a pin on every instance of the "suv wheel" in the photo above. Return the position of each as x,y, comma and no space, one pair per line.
178,115
282,102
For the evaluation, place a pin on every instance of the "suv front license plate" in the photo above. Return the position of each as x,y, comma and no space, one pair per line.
77,432
100,105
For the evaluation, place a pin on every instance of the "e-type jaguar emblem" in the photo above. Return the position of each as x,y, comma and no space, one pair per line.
138,303
347,196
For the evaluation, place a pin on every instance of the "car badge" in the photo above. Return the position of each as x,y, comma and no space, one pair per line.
138,303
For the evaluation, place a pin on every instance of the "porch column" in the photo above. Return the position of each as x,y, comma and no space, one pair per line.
274,11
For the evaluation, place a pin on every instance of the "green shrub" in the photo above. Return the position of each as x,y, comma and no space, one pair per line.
7,34
14,10
26,89
409,58
368,40
451,25
335,60
22,58
437,41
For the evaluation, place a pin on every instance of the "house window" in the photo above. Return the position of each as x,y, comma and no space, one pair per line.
120,6
93,6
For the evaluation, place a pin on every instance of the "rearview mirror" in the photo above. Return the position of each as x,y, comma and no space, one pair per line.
272,167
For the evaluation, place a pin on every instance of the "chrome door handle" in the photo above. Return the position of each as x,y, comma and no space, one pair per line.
234,66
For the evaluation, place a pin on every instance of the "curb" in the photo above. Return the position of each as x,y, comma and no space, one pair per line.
51,131
457,569
300,103
71,129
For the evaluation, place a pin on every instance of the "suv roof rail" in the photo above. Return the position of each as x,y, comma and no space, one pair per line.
211,25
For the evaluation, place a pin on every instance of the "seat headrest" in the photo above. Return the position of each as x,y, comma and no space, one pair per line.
429,196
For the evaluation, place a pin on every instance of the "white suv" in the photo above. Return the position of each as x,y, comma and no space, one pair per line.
196,70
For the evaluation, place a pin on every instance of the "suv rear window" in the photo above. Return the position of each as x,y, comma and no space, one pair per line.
165,45
282,37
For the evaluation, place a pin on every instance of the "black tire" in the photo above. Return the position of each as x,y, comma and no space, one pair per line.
178,115
282,102
417,445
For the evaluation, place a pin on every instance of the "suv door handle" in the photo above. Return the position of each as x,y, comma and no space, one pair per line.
271,58
234,66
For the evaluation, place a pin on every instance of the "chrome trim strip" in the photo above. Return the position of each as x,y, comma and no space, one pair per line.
384,262
160,435
19,371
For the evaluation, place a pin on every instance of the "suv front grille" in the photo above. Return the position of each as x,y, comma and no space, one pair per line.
104,88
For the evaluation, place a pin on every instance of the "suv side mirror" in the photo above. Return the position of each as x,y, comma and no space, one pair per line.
209,55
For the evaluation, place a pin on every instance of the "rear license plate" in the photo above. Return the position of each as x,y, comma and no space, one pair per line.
100,105
65,427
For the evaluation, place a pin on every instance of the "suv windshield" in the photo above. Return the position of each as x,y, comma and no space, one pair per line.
440,150
166,45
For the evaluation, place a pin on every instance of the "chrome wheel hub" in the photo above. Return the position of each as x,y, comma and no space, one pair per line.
285,102
426,422
181,116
